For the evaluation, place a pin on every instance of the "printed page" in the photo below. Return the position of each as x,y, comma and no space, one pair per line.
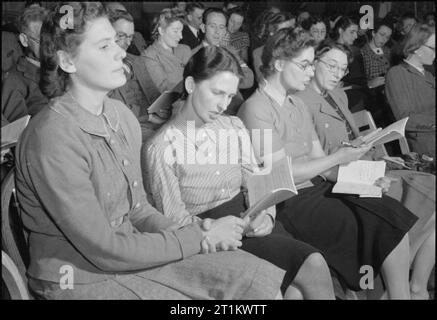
358,177
264,182
12,131
390,133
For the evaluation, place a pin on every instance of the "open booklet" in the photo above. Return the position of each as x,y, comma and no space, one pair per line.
358,177
267,188
392,132
12,131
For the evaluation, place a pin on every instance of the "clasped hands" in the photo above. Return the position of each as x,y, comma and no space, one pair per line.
226,233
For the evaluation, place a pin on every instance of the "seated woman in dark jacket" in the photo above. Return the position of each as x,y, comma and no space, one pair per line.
334,123
79,185
410,89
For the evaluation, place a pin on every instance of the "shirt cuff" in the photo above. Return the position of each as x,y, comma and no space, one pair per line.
190,238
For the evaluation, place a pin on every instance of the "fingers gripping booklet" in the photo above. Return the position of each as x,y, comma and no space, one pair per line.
358,177
268,188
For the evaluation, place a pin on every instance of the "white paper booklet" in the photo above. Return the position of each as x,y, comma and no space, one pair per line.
358,177
12,131
267,189
392,132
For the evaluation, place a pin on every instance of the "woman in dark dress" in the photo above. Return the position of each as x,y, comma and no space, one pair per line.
352,232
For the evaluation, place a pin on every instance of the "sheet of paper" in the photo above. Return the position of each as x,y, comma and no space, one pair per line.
12,131
361,171
358,177
390,133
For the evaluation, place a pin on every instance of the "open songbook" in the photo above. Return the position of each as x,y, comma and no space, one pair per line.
12,131
268,188
381,136
358,177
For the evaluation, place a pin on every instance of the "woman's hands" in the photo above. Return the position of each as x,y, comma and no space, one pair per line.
348,154
261,226
222,234
384,183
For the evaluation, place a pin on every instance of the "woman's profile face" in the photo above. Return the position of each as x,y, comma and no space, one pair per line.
99,60
427,51
330,69
172,34
297,72
349,35
211,97
318,31
381,36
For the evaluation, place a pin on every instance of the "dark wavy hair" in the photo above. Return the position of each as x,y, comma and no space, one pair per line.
274,21
343,23
313,20
56,36
285,44
209,61
208,11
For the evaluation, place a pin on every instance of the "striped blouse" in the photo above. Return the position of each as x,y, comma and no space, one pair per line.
189,173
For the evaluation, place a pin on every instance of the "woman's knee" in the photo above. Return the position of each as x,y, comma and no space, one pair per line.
316,263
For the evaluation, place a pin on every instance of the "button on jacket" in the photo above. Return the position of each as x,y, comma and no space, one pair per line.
77,181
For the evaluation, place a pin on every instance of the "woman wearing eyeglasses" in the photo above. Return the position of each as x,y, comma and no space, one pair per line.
334,123
410,89
350,231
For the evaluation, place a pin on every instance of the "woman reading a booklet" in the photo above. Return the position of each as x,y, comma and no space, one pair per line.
92,233
192,175
334,124
350,231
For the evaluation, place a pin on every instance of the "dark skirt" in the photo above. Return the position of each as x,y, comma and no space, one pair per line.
350,231
279,247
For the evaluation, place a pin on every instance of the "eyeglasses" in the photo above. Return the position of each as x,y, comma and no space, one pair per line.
303,67
319,32
333,68
124,36
432,48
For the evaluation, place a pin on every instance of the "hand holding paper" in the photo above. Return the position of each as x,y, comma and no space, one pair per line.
359,177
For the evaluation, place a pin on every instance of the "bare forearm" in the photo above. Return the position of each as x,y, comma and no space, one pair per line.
306,169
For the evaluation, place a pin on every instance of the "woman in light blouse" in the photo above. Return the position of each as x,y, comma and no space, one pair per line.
350,231
80,191
334,123
187,191
165,58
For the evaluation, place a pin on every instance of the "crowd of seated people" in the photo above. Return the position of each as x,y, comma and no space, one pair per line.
138,220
